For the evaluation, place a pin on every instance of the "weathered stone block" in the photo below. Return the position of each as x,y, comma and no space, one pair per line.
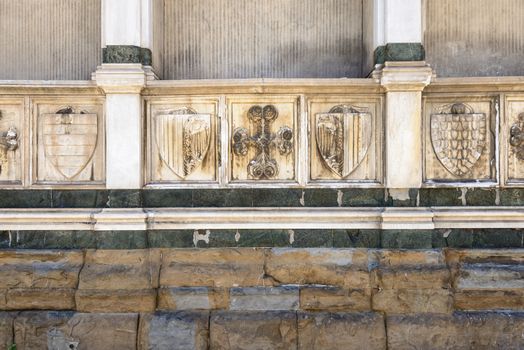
408,269
178,330
39,269
400,301
60,330
93,300
120,269
271,330
193,298
224,267
328,298
264,298
339,267
6,329
40,299
341,331
489,299
479,330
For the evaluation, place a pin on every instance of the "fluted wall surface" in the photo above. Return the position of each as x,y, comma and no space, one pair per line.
49,39
262,38
475,37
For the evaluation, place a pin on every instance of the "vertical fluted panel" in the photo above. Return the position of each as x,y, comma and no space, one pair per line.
49,39
475,37
262,38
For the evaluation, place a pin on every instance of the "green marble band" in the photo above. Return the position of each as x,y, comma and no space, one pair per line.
126,54
399,52
315,238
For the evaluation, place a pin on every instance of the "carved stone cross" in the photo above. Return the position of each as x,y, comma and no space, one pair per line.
263,166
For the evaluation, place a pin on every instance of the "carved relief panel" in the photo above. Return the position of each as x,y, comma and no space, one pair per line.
183,140
263,140
11,140
514,139
344,140
460,140
69,142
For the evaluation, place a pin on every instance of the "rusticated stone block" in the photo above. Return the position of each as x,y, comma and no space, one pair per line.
120,269
6,329
61,330
329,298
92,300
264,298
409,269
461,330
175,331
400,301
220,267
488,279
332,331
193,298
39,269
346,268
271,330
40,299
489,299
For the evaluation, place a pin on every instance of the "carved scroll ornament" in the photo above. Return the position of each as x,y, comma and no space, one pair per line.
516,137
263,166
8,142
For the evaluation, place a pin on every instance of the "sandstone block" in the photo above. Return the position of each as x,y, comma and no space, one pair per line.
461,330
193,298
328,298
400,301
39,269
61,330
264,298
92,300
489,299
224,267
40,299
332,331
490,276
178,330
120,269
271,330
6,329
346,268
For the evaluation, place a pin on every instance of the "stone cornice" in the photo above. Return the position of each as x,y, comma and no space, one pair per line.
261,218
121,78
404,76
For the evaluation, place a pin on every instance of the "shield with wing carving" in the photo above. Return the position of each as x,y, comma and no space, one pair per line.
69,140
343,137
182,138
458,136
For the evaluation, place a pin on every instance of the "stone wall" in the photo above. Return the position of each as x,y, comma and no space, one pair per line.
263,298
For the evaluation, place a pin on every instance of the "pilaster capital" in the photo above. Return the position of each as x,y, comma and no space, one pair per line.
121,78
404,76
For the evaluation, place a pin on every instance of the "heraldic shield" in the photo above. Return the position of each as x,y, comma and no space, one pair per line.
69,140
343,137
458,136
183,140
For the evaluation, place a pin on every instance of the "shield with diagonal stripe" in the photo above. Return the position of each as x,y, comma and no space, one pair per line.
343,137
182,139
69,140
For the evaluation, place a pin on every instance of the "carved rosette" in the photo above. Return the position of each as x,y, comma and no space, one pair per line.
8,142
458,135
182,138
343,137
263,166
516,137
